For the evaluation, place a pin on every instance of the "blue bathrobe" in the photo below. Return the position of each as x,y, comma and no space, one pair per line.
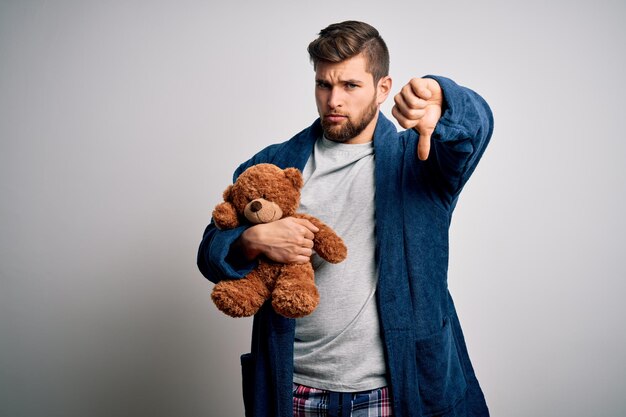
429,370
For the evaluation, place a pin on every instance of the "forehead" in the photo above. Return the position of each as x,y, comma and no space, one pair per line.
350,69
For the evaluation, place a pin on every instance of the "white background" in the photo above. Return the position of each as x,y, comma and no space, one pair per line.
121,124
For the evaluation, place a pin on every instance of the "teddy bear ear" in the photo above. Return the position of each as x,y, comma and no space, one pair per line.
294,175
225,216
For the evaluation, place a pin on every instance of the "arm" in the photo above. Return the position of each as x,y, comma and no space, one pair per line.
219,256
452,126
288,240
231,254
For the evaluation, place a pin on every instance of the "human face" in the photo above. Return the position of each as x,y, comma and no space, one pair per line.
347,99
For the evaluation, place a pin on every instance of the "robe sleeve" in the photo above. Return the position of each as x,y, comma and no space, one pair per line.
459,139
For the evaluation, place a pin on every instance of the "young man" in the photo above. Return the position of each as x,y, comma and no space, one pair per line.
385,339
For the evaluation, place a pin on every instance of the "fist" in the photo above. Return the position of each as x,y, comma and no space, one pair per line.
418,106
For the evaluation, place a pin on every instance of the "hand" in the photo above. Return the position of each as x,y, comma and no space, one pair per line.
418,106
287,240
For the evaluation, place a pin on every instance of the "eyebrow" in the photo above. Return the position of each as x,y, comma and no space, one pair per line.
350,81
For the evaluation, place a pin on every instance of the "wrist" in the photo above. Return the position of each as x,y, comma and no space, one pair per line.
246,246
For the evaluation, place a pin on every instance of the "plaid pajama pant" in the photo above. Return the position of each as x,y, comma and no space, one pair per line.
313,402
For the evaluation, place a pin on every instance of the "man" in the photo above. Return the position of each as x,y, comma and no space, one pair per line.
385,339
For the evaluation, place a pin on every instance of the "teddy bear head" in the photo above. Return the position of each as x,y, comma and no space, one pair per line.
263,193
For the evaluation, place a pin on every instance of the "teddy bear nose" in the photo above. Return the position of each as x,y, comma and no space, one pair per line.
256,206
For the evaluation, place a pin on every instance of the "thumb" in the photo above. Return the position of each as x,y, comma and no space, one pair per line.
423,146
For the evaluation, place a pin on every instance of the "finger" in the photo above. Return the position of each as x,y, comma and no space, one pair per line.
420,88
301,259
402,103
400,100
306,234
412,100
402,121
307,243
301,256
408,112
423,147
407,117
305,252
310,226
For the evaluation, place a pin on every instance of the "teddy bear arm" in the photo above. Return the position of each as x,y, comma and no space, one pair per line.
225,216
326,243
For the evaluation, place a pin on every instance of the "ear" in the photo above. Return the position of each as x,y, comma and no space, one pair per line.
294,175
382,89
225,216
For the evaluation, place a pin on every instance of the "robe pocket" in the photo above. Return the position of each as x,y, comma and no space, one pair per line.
247,381
440,374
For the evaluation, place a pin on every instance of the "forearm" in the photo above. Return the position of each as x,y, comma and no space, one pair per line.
460,137
288,240
245,248
219,255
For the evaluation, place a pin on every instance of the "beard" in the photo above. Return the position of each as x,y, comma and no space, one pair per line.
350,129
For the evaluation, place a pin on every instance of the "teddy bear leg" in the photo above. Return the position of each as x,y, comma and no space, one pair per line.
240,297
295,294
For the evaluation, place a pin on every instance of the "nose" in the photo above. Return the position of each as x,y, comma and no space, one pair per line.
256,206
334,98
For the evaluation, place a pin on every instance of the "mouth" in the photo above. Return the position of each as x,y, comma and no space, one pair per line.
335,118
266,217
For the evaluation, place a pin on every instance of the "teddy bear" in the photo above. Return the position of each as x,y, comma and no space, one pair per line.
265,193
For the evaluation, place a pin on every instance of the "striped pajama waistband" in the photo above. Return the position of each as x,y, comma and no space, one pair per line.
313,402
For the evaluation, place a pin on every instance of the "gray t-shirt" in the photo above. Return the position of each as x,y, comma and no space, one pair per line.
338,347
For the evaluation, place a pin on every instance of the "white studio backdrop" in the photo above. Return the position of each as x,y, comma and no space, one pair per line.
121,124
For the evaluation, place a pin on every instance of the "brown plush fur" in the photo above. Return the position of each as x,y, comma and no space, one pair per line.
261,194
